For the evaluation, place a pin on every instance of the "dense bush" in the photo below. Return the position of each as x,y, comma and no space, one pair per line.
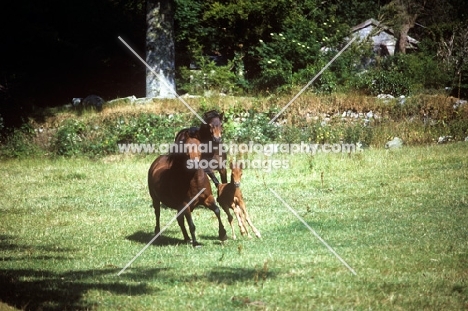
401,74
19,143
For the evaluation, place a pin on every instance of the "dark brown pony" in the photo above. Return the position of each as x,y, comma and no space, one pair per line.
209,133
174,184
230,196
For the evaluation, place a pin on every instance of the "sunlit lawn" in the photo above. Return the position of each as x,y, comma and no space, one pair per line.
398,218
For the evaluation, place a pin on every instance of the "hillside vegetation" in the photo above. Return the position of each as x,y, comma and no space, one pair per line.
367,120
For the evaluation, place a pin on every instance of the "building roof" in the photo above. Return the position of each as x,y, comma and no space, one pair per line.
380,34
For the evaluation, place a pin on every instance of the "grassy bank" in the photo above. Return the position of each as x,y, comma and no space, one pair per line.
399,218
418,120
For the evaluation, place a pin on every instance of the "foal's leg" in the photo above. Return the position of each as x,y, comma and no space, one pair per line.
240,219
244,211
211,204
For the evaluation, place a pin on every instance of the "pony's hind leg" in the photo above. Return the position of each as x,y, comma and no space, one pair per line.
157,213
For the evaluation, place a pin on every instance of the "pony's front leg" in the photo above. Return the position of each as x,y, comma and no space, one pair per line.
180,221
188,216
210,202
230,219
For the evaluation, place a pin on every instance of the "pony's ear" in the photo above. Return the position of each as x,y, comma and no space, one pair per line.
237,164
221,116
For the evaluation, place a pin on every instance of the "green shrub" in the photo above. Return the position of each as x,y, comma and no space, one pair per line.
242,126
69,138
210,78
19,143
401,74
147,128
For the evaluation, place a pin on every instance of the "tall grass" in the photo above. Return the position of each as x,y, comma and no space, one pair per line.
399,218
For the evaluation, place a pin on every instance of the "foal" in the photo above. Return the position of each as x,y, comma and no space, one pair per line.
230,196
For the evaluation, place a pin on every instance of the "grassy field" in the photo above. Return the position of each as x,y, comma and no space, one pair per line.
398,218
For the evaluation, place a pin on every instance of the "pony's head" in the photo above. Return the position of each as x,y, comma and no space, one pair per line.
191,147
214,121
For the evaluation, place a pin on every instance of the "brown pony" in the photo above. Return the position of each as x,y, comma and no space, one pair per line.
209,133
230,196
173,183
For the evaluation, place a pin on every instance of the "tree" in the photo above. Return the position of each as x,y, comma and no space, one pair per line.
402,16
160,52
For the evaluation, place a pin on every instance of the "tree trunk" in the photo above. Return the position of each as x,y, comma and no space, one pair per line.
402,39
160,52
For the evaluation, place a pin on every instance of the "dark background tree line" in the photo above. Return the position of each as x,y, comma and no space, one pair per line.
55,50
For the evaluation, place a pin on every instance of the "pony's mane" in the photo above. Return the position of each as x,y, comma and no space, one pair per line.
207,116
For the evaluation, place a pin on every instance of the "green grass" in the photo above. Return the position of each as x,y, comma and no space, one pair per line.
400,219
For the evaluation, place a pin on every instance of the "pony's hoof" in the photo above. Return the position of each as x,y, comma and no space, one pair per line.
196,245
223,238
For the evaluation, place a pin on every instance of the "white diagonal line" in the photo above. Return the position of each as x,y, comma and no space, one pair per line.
311,81
162,80
160,232
314,233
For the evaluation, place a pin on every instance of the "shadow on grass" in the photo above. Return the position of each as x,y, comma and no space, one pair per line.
30,289
230,275
145,237
162,240
41,289
45,289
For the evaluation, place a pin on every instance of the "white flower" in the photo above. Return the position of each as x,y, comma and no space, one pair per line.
261,41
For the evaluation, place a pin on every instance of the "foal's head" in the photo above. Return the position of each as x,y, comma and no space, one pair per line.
236,173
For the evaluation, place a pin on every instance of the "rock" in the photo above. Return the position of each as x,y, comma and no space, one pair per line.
93,101
395,143
444,139
385,96
459,103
